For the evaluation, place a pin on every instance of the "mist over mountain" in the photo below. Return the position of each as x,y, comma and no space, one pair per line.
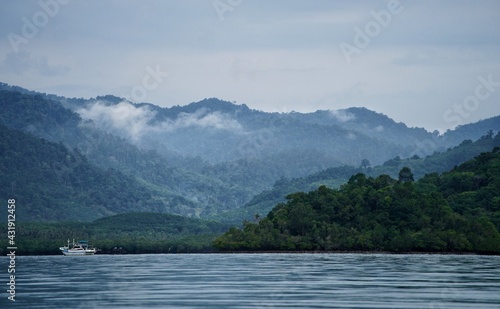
53,183
334,177
211,157
219,131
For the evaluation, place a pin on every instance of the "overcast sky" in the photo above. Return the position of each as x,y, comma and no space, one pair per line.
432,64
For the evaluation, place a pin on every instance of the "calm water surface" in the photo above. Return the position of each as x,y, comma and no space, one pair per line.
255,281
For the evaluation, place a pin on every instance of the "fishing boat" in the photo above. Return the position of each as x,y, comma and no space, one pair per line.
78,249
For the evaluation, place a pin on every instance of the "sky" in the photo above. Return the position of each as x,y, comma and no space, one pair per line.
431,64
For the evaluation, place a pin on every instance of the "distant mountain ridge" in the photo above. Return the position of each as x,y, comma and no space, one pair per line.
255,129
195,130
370,123
211,157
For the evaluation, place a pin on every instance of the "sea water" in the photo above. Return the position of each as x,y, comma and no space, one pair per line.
254,281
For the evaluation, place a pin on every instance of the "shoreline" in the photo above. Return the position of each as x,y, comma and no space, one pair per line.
293,252
359,252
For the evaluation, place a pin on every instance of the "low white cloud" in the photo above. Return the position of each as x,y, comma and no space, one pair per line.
342,115
131,121
134,121
202,118
379,128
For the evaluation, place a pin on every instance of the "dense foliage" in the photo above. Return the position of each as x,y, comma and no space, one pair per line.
51,183
457,211
209,158
212,159
186,185
132,232
334,177
439,161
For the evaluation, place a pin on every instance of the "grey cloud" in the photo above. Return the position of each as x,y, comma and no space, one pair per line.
424,60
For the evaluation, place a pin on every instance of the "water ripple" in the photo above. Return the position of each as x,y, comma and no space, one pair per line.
257,281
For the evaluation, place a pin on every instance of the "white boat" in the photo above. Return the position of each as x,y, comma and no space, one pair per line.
78,249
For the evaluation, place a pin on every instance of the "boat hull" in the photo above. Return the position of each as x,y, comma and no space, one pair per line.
77,250
78,253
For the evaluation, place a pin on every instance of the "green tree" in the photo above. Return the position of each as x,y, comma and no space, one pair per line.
405,175
365,163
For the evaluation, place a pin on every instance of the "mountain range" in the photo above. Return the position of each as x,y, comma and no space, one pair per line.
205,159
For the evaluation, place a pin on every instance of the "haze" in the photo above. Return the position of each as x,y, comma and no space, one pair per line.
431,64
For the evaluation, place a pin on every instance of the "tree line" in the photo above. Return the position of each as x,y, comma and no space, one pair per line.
139,232
457,211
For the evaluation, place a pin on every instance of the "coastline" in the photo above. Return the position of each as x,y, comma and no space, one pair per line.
293,252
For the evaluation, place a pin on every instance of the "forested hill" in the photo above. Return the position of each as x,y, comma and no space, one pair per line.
334,177
456,211
210,158
188,186
51,183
